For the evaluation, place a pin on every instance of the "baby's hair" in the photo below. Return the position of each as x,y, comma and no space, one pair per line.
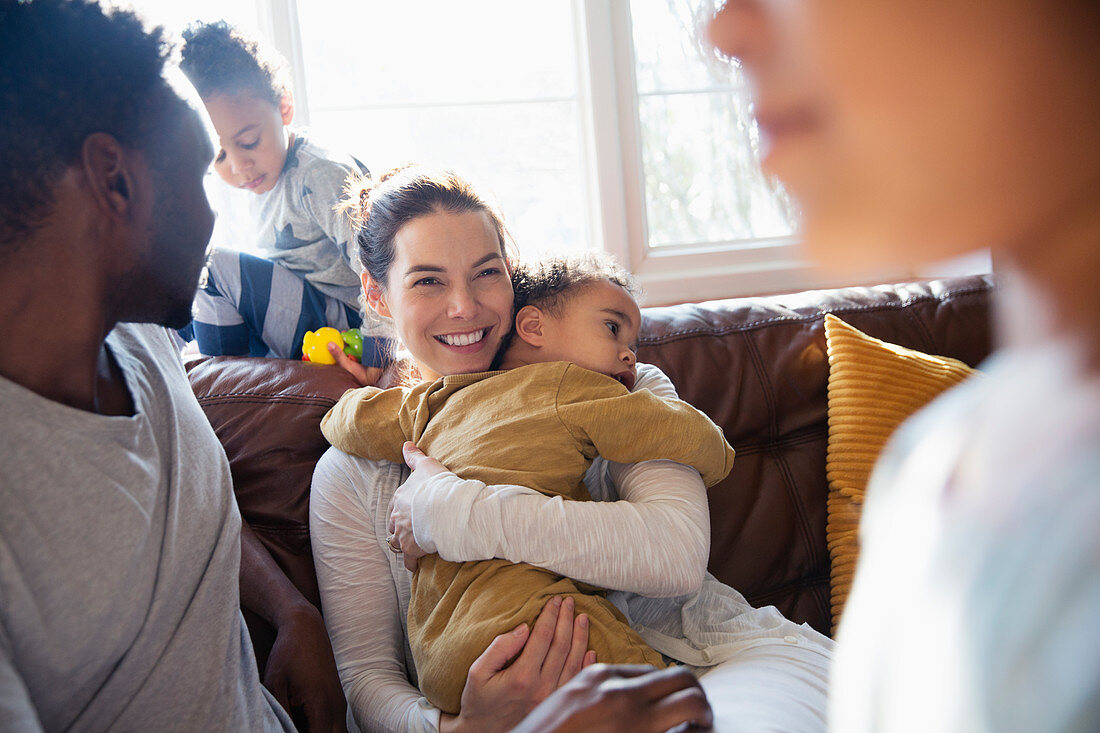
221,60
549,284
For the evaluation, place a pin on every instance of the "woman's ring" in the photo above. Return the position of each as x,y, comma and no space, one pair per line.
393,547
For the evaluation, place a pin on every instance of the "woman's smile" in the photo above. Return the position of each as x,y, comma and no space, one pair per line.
465,339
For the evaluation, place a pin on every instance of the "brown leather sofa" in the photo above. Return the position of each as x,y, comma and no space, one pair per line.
757,366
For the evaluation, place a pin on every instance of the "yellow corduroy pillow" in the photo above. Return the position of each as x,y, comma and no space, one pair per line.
873,387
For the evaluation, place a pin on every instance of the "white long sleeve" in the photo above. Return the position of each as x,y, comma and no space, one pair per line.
655,542
365,593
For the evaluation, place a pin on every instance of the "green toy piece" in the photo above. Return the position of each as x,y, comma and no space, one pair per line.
353,343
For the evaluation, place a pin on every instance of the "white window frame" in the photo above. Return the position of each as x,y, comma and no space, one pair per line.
616,217
717,270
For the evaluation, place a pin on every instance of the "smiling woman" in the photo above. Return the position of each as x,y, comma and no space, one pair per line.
451,282
435,251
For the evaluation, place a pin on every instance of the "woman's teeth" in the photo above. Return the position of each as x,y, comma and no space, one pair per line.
463,339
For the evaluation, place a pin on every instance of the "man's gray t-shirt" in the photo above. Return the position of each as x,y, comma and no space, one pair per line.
119,562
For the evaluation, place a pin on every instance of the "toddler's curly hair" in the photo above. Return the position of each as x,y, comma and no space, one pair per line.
221,60
551,282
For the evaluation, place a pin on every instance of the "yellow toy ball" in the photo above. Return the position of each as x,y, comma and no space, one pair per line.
314,345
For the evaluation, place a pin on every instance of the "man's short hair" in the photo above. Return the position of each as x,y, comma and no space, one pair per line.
69,68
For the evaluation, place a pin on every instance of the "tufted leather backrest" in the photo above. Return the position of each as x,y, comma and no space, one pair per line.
757,366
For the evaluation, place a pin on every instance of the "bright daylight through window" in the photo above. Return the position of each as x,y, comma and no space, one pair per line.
595,123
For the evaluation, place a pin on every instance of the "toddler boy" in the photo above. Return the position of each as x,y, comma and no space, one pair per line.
262,306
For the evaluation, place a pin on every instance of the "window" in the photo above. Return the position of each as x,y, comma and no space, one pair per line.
697,139
486,88
593,123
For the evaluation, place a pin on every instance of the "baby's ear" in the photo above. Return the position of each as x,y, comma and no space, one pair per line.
286,108
529,325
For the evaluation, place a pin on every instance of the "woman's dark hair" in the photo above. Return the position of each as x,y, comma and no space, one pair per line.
220,59
379,210
69,68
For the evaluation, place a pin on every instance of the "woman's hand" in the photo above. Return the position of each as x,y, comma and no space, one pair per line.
365,376
497,695
624,698
399,523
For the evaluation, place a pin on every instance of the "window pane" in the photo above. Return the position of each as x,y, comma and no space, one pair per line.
700,158
671,50
487,88
364,53
703,181
525,156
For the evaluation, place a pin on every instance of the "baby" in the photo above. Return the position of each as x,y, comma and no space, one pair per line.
263,306
562,398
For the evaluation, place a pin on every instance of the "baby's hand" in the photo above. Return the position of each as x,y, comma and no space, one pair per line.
365,376
399,524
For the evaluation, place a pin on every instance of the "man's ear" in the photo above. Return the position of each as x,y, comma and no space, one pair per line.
105,166
286,108
374,295
530,322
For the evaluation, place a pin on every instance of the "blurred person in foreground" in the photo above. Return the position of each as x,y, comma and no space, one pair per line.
910,133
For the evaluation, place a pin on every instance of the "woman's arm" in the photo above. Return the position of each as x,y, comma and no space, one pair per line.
360,596
656,542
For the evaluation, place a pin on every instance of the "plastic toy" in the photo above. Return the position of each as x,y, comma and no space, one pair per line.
353,343
315,344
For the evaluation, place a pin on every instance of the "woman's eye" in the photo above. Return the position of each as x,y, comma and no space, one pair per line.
426,281
220,158
489,271
252,145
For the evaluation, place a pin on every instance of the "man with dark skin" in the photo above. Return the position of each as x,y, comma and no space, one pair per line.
122,545
106,222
